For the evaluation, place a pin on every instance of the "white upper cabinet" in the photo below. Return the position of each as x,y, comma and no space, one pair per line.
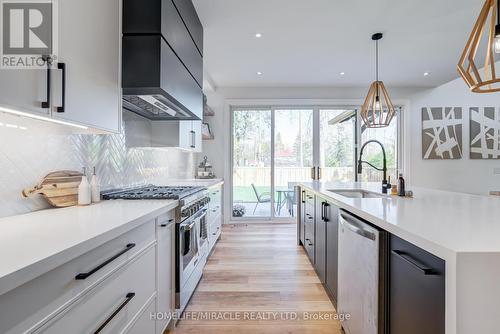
88,46
89,38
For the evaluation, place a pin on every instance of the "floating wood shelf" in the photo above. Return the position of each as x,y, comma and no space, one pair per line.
207,111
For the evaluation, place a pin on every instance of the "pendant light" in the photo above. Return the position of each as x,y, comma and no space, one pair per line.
483,77
377,110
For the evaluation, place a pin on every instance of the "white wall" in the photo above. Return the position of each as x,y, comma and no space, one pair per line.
465,175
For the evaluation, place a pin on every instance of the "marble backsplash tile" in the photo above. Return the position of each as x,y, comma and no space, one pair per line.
31,149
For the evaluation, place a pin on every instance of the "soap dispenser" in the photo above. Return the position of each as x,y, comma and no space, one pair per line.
84,195
95,188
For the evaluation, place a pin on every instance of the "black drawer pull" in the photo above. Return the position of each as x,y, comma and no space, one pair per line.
414,263
82,276
309,242
128,298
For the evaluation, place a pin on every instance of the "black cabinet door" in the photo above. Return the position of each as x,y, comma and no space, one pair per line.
416,290
332,250
320,239
302,216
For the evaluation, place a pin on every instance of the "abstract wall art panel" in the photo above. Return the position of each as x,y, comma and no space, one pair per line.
484,133
442,133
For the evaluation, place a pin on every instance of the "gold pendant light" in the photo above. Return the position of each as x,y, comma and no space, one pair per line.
377,110
482,77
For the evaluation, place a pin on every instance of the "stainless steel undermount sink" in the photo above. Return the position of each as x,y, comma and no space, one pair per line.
357,193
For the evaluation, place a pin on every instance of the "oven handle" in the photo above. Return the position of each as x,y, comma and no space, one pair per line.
188,227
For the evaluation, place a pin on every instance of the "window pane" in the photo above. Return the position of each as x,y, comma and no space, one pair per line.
372,153
337,145
293,156
252,163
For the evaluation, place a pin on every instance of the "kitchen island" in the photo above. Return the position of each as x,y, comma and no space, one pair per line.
461,229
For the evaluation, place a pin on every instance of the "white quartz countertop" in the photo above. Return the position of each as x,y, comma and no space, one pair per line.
441,222
35,243
190,182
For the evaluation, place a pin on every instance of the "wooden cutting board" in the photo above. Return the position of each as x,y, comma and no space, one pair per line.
60,188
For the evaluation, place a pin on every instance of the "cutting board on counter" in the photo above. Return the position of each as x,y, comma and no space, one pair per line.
59,188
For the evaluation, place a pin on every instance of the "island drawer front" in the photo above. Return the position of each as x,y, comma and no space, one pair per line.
41,297
112,304
416,290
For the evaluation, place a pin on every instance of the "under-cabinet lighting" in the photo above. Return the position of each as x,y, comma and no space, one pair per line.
258,35
40,117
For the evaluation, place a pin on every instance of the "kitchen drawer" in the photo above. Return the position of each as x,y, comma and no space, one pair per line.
167,218
215,196
113,303
215,230
144,324
43,296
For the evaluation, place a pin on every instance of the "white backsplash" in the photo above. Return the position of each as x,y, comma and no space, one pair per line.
30,149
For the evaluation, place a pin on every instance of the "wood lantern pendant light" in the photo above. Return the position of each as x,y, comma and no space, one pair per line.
483,77
377,110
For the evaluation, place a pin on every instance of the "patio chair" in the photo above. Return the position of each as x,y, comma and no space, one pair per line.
264,197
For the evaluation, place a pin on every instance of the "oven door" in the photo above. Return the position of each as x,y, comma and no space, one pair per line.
188,249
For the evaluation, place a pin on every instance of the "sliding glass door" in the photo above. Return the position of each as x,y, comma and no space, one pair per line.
293,156
251,151
275,148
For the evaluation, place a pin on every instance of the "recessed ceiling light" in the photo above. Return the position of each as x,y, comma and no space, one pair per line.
426,74
258,35
342,73
259,73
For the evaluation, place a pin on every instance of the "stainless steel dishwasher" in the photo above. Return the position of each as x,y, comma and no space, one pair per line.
362,276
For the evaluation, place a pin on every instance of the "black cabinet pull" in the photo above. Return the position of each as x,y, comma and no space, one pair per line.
309,242
128,298
325,212
62,67
303,196
414,263
82,276
163,225
193,139
48,61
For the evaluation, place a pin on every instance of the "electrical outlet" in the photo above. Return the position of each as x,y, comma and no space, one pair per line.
496,171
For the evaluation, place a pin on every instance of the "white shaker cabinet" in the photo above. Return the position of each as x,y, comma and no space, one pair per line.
88,57
165,228
182,134
89,38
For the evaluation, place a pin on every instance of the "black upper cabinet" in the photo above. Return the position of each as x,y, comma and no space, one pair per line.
416,290
162,17
192,21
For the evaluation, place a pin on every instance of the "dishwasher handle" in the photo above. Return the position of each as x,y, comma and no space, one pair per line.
356,226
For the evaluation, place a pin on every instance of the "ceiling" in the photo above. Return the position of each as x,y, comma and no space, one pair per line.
310,42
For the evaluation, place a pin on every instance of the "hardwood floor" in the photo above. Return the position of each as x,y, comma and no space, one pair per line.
259,281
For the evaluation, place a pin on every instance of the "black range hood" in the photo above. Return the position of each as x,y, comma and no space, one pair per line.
162,67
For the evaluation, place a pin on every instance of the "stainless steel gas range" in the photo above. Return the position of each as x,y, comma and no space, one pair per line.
191,236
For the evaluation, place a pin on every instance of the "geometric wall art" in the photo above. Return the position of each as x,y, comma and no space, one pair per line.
484,133
442,133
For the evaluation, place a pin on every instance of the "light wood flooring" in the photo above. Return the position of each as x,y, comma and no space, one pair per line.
260,276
